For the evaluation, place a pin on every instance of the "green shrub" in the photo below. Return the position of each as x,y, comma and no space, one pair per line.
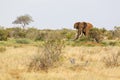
21,34
113,43
104,43
70,35
41,36
16,32
23,41
32,33
110,43
95,34
3,35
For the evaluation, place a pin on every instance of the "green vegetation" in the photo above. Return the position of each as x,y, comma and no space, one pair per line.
23,41
3,35
22,35
97,36
30,49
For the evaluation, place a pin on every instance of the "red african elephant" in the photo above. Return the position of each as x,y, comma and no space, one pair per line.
83,28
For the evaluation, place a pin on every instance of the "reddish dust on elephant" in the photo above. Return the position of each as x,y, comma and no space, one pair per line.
82,28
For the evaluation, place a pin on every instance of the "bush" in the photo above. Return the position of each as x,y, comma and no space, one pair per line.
23,41
41,36
3,35
95,34
52,51
16,32
110,43
50,56
31,33
67,33
70,35
113,43
112,60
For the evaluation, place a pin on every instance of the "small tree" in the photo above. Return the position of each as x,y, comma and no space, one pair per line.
23,20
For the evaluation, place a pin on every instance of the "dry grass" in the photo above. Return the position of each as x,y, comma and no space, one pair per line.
87,64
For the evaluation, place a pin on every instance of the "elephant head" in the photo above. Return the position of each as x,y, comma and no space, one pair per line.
83,28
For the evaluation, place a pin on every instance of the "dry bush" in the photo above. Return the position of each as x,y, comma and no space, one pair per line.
2,49
95,34
52,51
50,55
112,60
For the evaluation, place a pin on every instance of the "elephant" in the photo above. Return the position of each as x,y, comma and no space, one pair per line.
83,28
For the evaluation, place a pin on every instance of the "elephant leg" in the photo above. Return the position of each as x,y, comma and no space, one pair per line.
79,34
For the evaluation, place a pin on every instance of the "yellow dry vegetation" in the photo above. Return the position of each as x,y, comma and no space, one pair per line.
87,64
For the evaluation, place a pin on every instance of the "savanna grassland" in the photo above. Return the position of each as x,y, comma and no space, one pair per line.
33,54
88,64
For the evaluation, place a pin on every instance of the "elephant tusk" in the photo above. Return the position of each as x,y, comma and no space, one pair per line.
81,34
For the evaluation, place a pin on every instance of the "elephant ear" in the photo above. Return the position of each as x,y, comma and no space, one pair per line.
76,25
85,25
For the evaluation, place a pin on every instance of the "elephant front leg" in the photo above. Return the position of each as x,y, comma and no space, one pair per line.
79,34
